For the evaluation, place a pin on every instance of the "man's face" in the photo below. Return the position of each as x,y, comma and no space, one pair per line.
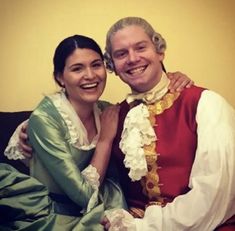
135,58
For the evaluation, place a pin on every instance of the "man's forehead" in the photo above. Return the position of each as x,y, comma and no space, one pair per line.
129,36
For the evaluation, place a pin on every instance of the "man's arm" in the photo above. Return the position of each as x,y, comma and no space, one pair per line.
210,202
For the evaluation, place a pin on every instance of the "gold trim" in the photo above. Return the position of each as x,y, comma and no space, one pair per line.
166,102
150,183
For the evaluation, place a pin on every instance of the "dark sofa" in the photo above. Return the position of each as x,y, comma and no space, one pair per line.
8,123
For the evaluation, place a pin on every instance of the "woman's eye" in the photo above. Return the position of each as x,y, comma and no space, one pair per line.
97,65
77,69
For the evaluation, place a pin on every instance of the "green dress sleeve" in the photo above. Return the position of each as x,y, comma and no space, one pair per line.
50,141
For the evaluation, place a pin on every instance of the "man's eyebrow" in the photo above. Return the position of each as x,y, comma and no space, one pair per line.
136,44
118,50
142,42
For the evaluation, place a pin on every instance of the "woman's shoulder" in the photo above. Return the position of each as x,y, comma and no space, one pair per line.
45,106
47,109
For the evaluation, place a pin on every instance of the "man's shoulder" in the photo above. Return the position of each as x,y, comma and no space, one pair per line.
194,90
190,97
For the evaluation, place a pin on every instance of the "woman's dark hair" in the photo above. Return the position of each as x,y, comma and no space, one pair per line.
67,47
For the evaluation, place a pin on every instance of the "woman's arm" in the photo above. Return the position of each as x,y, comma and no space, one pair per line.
52,147
109,122
178,81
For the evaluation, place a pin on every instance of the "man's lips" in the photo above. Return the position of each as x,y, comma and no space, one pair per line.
136,70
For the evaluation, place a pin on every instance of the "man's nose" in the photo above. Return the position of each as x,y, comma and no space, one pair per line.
133,57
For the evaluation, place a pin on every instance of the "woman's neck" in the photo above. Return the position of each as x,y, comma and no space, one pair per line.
84,111
86,115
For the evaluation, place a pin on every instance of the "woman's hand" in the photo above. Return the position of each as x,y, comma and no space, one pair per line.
109,123
105,222
179,81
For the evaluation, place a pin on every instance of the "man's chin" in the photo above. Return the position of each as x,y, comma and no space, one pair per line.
137,88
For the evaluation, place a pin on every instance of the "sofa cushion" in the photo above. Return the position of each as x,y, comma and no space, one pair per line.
8,123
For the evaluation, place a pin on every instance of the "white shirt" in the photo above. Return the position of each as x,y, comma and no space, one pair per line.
211,200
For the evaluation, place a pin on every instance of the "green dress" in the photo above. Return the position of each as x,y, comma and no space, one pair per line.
61,160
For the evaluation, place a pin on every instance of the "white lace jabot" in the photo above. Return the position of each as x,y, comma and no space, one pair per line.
138,132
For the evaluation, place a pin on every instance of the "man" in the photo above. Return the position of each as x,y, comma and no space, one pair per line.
175,152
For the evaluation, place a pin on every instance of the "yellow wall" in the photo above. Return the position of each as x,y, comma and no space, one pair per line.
200,36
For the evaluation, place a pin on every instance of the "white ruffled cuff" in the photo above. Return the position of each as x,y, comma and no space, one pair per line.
92,176
13,150
120,219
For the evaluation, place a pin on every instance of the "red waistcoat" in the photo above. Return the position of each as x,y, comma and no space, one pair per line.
176,132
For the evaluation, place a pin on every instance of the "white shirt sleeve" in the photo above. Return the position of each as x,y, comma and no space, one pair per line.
211,200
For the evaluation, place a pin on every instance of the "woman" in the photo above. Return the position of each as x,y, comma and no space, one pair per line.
64,130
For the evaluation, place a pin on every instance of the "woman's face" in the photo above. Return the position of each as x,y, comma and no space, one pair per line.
84,76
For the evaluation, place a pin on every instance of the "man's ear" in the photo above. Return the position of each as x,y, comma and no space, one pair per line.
162,56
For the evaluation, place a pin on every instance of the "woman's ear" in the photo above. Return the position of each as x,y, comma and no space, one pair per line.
59,78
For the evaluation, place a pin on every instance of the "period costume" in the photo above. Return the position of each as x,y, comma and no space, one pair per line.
61,163
176,158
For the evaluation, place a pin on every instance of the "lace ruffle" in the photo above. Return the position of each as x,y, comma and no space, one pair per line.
92,177
77,131
56,99
13,150
120,220
137,132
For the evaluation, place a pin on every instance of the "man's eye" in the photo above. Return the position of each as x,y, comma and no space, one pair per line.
141,48
120,54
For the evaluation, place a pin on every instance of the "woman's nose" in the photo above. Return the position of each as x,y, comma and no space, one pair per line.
90,74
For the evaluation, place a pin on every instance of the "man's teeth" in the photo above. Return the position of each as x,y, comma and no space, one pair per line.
136,70
89,85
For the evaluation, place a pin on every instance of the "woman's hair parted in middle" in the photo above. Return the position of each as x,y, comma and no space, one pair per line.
67,46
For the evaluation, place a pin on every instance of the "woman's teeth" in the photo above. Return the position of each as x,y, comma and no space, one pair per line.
89,85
